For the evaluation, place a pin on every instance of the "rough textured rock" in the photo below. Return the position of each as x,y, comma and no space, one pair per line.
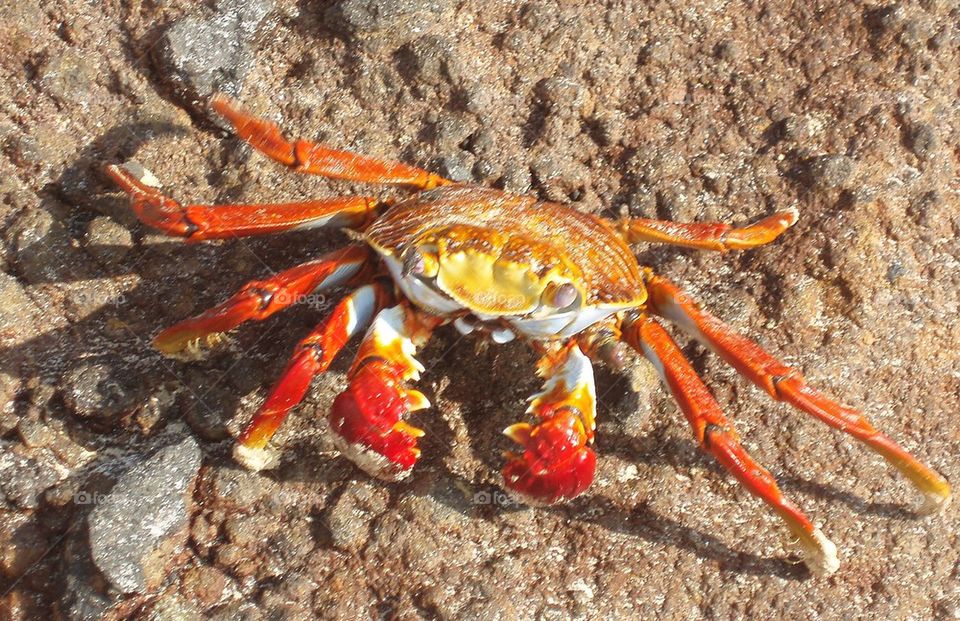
23,479
142,521
713,110
201,55
382,25
95,391
350,517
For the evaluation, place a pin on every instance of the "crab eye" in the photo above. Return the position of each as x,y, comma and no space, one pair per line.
561,296
419,263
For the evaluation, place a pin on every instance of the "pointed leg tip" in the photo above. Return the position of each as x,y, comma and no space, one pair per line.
819,554
792,214
255,459
934,503
223,104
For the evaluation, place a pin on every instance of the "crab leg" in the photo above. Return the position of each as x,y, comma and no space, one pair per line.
199,222
717,437
259,299
317,159
709,235
784,383
367,419
557,463
312,356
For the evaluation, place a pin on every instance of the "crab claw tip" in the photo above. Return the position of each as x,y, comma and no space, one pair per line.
416,400
518,432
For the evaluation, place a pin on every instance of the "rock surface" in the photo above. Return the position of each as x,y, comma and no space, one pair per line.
204,54
143,520
711,110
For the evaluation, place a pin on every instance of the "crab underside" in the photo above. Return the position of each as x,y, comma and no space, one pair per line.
507,265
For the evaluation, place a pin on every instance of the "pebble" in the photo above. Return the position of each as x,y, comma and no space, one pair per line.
830,171
144,518
107,240
457,166
99,391
349,519
208,422
922,140
241,489
384,25
516,178
452,129
206,585
478,98
16,314
201,55
67,76
23,479
541,18
434,60
22,543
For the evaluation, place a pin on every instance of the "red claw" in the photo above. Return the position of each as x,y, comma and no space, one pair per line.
367,421
556,464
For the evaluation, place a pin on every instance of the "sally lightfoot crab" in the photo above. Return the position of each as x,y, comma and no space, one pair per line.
509,266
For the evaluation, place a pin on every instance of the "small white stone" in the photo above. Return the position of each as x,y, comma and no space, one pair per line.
143,175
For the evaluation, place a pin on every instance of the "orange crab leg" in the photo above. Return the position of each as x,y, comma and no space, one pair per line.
557,463
709,235
317,159
784,383
312,356
259,299
367,419
199,222
717,437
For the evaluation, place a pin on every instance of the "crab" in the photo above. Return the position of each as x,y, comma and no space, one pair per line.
504,266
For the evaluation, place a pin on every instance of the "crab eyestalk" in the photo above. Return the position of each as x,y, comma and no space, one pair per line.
557,463
367,419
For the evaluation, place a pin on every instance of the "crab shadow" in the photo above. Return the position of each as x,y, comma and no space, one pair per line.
655,448
111,298
94,308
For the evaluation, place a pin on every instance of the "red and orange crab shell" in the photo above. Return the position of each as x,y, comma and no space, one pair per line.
506,266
